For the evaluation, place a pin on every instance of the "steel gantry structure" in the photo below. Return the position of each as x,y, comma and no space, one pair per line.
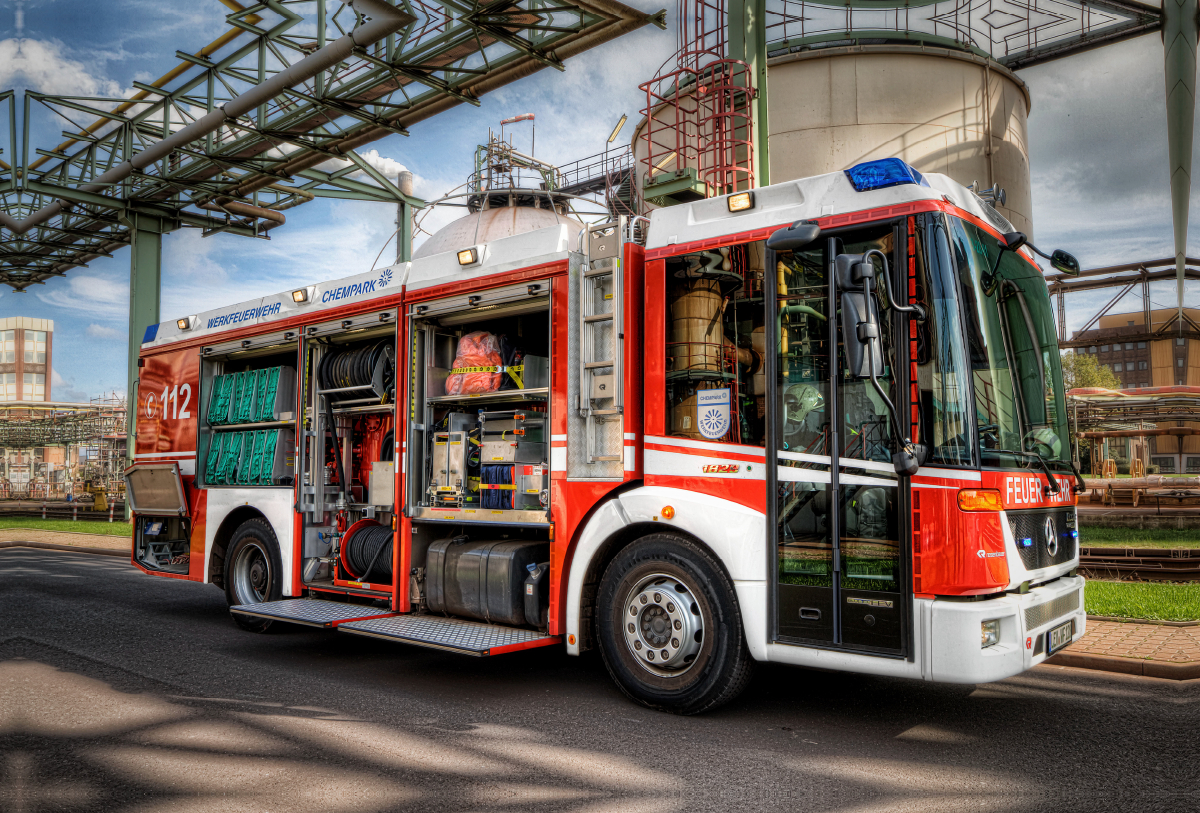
266,117
1125,279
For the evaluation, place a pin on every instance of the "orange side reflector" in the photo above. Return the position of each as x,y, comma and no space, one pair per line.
980,499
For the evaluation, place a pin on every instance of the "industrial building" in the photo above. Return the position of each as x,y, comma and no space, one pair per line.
51,450
1117,343
26,350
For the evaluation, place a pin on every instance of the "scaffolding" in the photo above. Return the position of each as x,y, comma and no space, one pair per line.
698,140
62,451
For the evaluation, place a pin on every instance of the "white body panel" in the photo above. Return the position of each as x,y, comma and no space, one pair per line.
509,254
806,199
946,633
276,504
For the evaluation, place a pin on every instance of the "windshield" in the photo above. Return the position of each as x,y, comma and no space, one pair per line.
1015,368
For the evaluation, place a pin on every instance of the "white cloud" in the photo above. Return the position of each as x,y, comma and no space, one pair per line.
62,389
104,332
388,167
99,297
42,65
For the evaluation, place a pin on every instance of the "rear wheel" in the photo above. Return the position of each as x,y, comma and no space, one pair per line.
669,628
253,571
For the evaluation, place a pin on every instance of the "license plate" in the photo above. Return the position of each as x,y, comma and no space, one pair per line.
1059,637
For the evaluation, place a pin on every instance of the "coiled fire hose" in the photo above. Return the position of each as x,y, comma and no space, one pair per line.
367,552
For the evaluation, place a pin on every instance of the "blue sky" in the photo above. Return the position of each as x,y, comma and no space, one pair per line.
1097,143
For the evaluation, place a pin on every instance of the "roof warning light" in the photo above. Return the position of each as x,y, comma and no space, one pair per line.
883,173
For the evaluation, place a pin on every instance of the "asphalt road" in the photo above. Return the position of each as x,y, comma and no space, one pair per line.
120,691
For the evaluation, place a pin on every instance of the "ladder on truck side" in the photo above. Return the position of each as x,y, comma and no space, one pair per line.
602,341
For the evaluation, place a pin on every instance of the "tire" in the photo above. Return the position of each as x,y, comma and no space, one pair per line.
253,571
641,617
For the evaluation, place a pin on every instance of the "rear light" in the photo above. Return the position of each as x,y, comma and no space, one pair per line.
980,499
989,633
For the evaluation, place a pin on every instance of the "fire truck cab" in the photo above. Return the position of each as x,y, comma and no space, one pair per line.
819,423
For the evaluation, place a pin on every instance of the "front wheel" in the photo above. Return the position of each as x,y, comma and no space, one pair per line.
669,627
253,571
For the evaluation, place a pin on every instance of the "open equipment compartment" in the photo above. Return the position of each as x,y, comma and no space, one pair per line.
478,455
479,400
348,492
162,530
247,431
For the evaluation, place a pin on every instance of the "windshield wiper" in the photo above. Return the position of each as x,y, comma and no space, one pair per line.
1053,487
1078,477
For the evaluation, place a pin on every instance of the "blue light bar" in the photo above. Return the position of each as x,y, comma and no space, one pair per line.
883,173
1027,542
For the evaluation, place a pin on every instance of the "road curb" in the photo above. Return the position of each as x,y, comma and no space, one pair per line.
1116,619
1128,666
68,548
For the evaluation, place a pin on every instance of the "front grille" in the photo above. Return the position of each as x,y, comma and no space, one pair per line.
1048,611
1028,530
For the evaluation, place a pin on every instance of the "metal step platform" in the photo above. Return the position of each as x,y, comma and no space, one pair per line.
310,612
451,634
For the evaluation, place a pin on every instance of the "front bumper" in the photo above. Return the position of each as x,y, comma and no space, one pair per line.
955,654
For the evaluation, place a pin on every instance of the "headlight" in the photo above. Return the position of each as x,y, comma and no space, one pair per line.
989,633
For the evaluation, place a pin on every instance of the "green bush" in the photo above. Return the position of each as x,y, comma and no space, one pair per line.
1122,468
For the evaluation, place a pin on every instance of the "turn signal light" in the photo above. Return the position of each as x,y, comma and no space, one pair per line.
668,512
980,499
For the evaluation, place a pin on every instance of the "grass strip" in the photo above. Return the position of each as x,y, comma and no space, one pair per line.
1135,538
114,528
1153,601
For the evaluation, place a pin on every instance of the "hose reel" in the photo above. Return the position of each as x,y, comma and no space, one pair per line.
366,553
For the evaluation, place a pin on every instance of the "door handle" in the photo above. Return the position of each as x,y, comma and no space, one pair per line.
810,614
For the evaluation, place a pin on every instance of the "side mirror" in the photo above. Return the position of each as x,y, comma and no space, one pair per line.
1014,240
1065,262
910,458
798,235
860,319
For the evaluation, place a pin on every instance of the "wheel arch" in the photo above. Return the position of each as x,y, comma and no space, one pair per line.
599,544
224,533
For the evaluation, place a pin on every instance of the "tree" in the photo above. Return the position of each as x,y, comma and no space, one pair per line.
1082,370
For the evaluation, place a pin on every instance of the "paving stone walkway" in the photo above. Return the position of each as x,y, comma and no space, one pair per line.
1144,641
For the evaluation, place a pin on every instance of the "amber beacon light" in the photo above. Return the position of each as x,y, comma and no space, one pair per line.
980,499
741,201
668,512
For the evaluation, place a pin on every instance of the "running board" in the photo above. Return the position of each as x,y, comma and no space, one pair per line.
310,612
451,634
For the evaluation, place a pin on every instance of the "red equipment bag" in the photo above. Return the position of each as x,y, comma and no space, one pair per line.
477,365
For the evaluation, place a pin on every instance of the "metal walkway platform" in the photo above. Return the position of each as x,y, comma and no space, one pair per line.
310,612
451,634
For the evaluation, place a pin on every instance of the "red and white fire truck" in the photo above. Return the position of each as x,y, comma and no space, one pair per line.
820,423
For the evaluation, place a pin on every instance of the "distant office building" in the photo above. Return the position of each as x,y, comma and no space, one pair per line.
25,349
1167,362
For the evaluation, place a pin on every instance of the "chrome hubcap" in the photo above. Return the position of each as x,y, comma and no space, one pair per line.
663,625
